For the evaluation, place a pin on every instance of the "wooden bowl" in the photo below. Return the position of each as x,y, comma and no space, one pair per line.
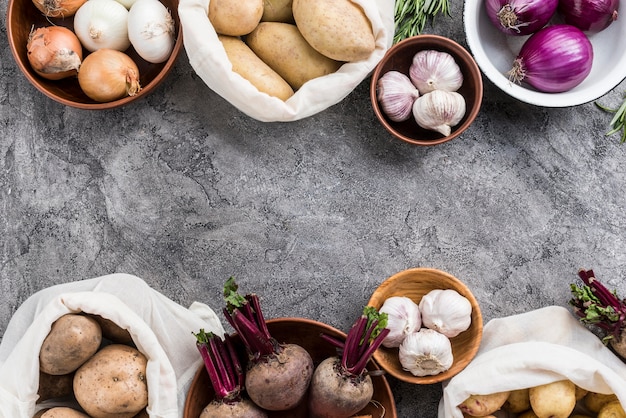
399,58
22,16
415,283
306,333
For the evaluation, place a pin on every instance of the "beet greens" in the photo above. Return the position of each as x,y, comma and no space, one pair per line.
596,305
365,336
222,365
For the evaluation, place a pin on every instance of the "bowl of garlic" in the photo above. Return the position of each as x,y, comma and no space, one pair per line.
94,55
426,90
435,325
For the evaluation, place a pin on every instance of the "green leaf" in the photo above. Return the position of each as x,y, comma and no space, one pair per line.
231,297
411,16
618,123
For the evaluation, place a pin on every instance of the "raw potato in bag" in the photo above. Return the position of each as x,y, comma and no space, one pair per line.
208,58
160,329
532,349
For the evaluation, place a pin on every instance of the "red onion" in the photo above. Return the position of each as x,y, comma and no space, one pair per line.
520,17
589,15
554,59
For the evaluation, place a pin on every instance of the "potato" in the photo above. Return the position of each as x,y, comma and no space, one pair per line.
553,400
248,65
51,386
235,17
612,409
595,401
113,383
113,332
284,49
518,401
338,29
483,405
73,338
277,11
580,392
528,414
63,412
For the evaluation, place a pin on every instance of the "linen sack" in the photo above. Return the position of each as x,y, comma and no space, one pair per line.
531,349
160,328
208,58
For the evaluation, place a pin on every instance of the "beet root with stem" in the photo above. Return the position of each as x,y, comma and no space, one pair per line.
334,394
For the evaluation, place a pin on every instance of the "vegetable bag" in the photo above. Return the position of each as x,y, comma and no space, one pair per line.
160,328
208,59
531,349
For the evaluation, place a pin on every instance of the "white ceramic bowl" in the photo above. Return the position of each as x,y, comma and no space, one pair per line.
494,53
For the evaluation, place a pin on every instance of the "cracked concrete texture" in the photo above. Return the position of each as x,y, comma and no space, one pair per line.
183,190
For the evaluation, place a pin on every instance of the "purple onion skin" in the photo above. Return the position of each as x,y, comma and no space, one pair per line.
589,15
528,16
554,59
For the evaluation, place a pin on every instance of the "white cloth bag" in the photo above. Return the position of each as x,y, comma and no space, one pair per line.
160,328
531,349
208,58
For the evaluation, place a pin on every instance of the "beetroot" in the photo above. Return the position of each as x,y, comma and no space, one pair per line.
278,375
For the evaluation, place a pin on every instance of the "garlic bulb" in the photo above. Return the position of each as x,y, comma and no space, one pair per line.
426,353
439,110
403,318
446,311
434,70
396,95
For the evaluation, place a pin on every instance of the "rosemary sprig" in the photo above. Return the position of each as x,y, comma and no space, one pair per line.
618,123
411,16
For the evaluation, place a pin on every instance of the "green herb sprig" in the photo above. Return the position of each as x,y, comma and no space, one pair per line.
411,16
618,123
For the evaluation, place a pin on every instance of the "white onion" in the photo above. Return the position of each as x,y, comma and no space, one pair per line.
102,24
151,30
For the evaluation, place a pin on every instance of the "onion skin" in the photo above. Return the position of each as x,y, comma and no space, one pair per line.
554,59
589,15
54,52
58,8
108,75
520,17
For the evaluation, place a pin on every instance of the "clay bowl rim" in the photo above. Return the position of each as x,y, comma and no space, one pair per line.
381,380
41,84
386,289
467,62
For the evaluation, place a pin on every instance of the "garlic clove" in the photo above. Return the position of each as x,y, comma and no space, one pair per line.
446,311
396,95
426,353
403,318
435,70
439,111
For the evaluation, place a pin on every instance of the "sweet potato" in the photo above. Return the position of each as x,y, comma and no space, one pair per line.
73,338
248,65
284,49
113,383
338,29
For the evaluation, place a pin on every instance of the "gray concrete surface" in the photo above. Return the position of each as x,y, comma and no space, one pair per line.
183,190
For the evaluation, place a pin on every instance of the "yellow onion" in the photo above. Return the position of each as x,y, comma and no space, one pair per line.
108,74
58,8
54,52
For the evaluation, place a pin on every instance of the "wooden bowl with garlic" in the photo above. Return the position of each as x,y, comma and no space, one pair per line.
436,325
426,90
38,36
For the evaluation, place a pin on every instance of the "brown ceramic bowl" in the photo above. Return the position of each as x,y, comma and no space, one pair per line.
399,58
306,333
22,16
415,283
